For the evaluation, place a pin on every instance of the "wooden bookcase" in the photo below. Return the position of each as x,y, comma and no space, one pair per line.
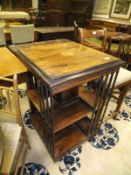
64,112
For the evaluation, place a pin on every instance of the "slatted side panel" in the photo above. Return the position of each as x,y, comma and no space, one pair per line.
46,107
104,90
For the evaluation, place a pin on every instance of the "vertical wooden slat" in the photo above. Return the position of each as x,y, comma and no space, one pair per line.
9,100
105,87
95,107
111,86
100,103
2,99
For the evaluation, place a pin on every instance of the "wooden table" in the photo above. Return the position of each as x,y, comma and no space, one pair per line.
58,68
10,64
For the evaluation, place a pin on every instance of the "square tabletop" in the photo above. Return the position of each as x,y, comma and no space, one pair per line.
63,63
59,59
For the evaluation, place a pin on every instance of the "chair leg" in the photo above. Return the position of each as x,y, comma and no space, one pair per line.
19,157
123,93
23,162
24,134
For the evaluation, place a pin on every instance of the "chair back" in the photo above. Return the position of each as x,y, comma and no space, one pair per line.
9,98
2,36
22,33
124,51
10,103
82,33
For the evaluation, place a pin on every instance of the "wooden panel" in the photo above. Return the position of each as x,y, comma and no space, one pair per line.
67,139
88,96
70,113
9,63
84,124
34,97
61,59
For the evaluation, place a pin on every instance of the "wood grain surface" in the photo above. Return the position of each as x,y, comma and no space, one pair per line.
59,59
9,63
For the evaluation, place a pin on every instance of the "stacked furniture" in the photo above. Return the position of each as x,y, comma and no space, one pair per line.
64,12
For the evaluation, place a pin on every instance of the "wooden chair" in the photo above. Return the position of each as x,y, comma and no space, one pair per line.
123,83
124,51
114,44
14,149
2,36
22,33
10,104
91,38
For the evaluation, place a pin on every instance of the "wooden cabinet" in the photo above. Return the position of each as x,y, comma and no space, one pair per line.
55,12
64,12
80,10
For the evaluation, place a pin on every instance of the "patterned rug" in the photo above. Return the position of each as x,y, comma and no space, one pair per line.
106,138
27,119
34,169
123,115
70,163
128,100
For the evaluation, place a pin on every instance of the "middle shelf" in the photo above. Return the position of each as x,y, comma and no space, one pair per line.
70,113
65,114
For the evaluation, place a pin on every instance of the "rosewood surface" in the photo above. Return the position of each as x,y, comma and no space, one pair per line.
59,62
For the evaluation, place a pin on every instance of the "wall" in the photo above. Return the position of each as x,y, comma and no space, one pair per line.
102,9
35,3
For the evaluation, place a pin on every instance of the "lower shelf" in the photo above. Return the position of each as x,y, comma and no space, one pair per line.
67,139
84,124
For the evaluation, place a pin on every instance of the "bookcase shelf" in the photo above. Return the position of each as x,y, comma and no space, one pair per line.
66,130
68,139
71,113
66,114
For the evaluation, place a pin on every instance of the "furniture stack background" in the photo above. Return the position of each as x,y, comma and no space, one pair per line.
56,12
